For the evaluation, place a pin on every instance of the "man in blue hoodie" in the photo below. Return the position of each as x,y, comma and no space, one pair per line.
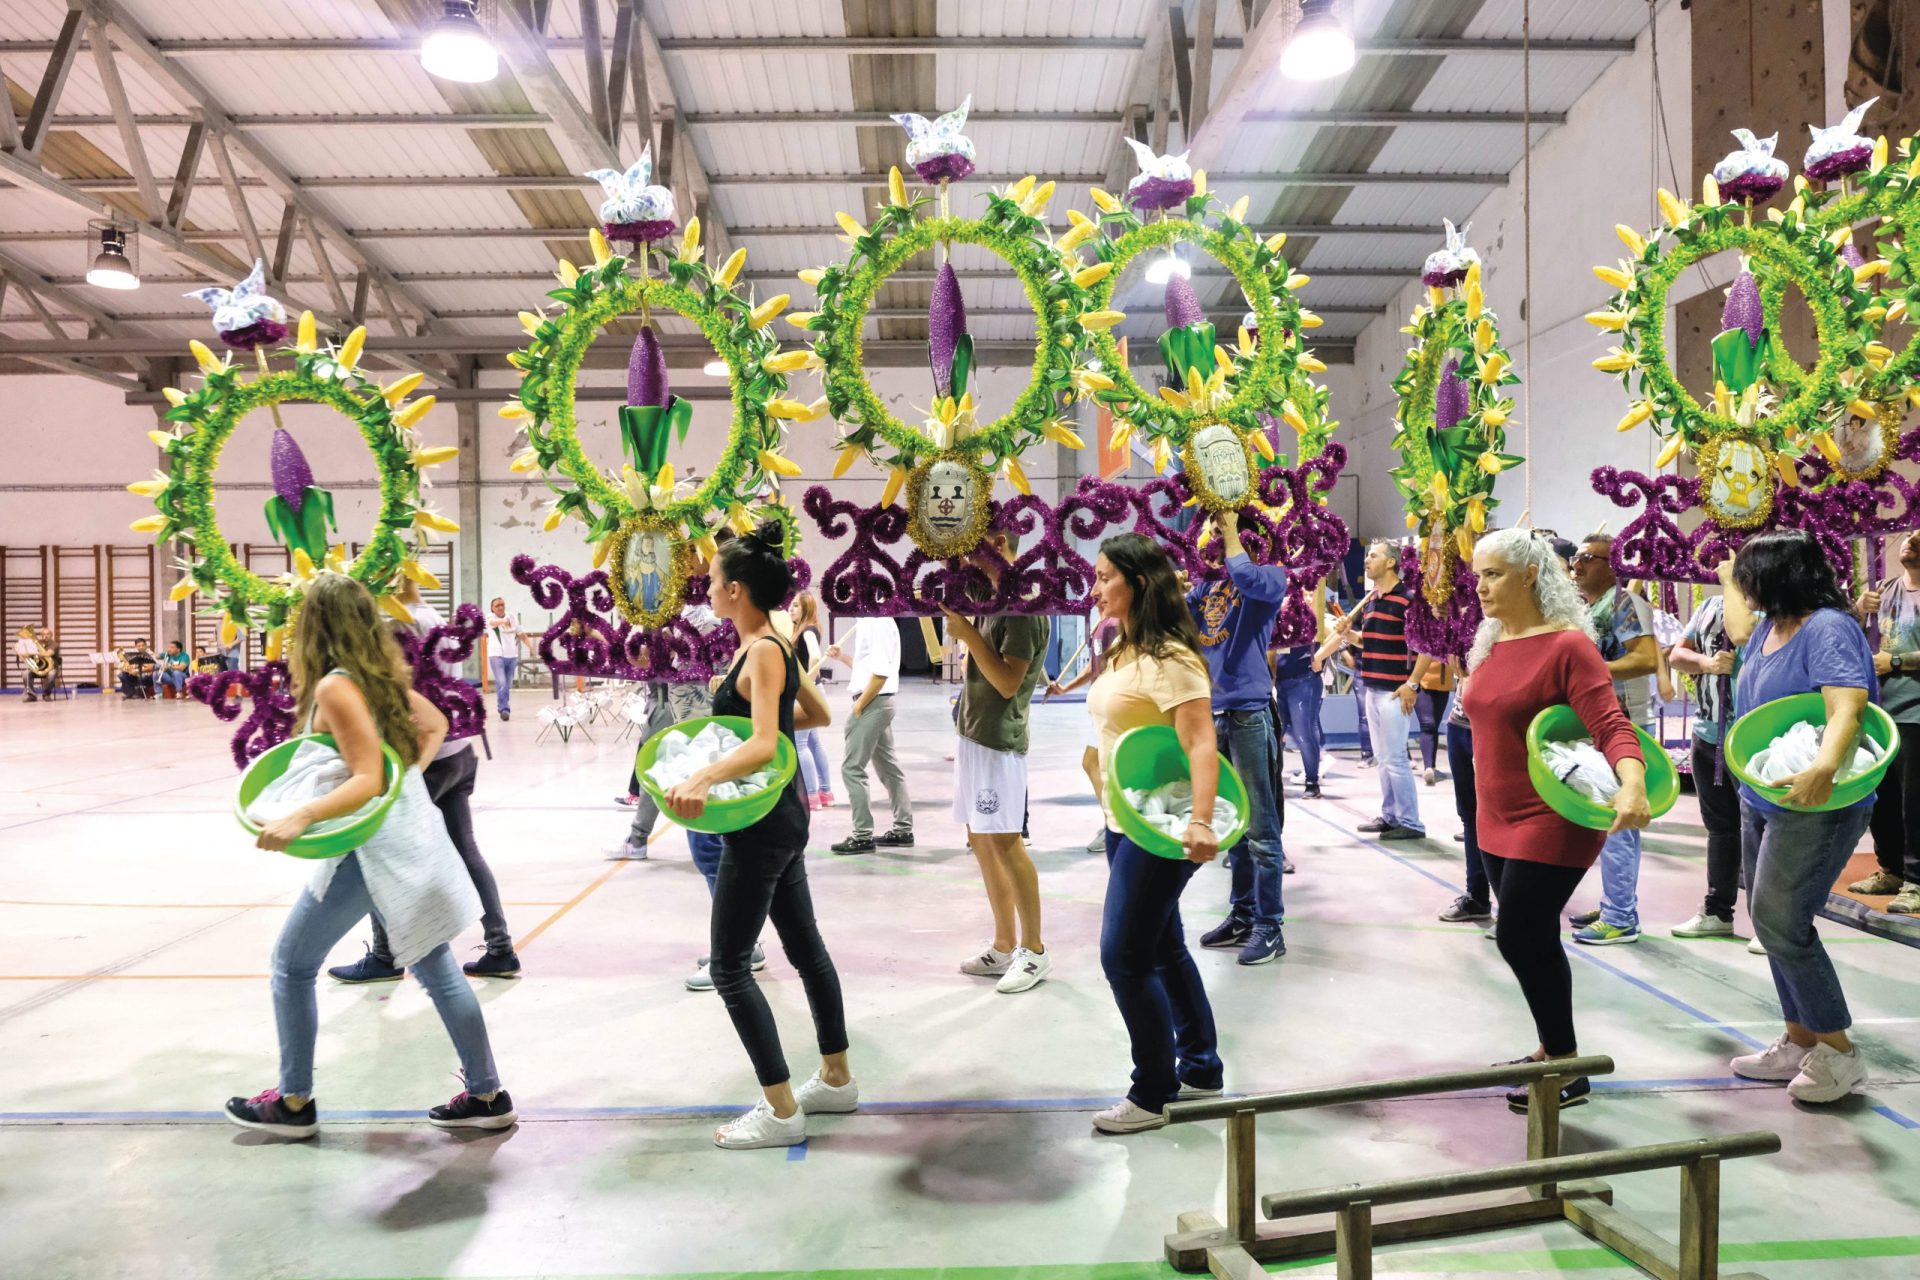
1235,616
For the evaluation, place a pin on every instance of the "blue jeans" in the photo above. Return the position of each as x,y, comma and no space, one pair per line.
814,773
1155,983
1620,877
1300,710
1387,727
1791,861
176,678
310,932
706,850
1466,803
503,669
1360,720
1248,740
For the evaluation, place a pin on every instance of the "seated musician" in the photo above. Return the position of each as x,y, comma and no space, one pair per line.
37,662
136,666
175,667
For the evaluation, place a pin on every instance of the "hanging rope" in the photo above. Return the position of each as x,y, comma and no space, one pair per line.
1526,238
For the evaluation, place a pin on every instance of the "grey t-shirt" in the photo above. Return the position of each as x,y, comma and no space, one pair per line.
1619,618
997,723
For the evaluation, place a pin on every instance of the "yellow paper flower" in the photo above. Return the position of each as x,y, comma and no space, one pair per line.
1639,413
393,608
896,478
1087,381
1276,241
793,361
147,488
848,456
174,395
778,465
1104,201
425,519
149,524
1630,238
1611,321
209,363
602,251
568,274
408,415
690,240
530,323
896,187
162,438
1060,433
229,632
1614,276
1239,210
759,317
1617,360
1087,277
514,411
552,522
730,269
182,589
1669,453
1079,234
1262,445
850,225
1036,203
307,339
349,354
1492,367
414,571
402,388
1019,191
1016,476
435,456
1102,319
1672,209
812,275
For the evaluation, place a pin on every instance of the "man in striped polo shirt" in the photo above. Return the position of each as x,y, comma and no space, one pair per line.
1384,670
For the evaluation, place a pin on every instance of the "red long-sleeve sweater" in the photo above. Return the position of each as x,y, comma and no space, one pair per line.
1518,680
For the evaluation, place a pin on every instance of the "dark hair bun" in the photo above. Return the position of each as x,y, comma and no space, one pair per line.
770,536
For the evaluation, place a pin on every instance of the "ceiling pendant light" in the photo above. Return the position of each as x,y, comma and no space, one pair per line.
717,368
1166,267
111,268
1320,47
457,48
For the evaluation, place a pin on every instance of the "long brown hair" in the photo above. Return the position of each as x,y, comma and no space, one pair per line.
809,606
1158,623
339,628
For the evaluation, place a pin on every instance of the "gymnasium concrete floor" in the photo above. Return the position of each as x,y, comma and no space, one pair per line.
135,925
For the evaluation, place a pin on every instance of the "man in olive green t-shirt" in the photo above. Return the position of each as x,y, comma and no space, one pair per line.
1003,665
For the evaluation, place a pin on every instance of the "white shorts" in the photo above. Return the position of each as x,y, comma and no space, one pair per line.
989,789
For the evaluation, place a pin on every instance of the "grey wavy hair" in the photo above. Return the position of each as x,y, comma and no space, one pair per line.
1553,590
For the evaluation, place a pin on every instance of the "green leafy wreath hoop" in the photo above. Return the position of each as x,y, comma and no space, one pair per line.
750,463
207,417
1890,194
1447,471
1781,252
1236,394
1057,288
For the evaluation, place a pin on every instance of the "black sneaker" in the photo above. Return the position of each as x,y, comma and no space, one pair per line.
503,964
467,1112
1313,791
1286,865
506,715
1402,833
368,968
896,839
1572,1094
268,1112
1229,935
855,844
1373,826
1466,911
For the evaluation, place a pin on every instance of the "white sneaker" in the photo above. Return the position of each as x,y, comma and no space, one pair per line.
1099,843
988,964
1755,947
1703,925
761,1128
1127,1117
1025,971
1828,1075
816,1097
626,851
1780,1060
1190,1093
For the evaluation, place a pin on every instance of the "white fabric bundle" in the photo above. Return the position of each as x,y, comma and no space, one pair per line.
682,755
1581,765
315,770
1168,808
1798,747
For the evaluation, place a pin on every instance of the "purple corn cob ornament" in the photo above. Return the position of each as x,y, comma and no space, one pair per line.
647,384
1851,255
946,325
1743,310
1181,305
292,477
1450,400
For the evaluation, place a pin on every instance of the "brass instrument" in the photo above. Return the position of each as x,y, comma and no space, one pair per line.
40,661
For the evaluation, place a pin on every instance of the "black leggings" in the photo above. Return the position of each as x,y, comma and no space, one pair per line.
1430,705
758,882
1531,896
1896,814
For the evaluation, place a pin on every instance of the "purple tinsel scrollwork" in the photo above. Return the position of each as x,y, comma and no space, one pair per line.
1445,633
876,577
1654,548
271,690
590,638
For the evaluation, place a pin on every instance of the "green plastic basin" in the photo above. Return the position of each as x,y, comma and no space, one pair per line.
1152,756
1755,731
1563,724
721,816
323,839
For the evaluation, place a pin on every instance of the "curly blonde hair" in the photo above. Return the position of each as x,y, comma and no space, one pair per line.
1553,590
338,627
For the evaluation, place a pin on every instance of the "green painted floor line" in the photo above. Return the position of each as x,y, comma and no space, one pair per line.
1429,1261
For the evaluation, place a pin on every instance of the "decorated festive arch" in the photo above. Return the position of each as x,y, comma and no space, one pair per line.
1450,433
1777,444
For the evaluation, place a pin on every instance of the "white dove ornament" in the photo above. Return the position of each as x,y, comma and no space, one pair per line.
245,316
1751,173
635,210
1447,267
1841,149
936,149
1163,182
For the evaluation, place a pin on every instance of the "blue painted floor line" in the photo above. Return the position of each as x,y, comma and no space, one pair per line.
1586,954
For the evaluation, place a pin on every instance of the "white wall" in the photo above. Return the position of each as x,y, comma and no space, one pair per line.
1597,170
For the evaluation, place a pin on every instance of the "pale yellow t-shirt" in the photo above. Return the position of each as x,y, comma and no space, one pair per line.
1136,690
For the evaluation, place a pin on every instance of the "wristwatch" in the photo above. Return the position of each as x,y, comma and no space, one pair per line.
1894,662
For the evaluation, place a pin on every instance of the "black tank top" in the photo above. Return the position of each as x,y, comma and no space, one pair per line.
786,827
